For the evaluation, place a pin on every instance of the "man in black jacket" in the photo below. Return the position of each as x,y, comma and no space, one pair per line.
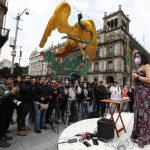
42,95
100,94
26,98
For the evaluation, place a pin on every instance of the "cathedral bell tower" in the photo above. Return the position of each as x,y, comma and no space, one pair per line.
116,20
113,37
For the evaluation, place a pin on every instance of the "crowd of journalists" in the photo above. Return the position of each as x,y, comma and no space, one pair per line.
45,102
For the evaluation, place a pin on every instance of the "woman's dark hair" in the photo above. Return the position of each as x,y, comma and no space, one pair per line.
145,58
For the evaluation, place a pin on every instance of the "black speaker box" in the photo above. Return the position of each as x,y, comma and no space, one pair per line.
105,129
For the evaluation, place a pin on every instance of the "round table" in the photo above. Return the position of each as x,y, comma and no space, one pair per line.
90,125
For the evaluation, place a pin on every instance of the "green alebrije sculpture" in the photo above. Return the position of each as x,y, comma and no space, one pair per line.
68,65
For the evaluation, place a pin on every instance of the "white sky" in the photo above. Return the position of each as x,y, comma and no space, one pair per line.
40,11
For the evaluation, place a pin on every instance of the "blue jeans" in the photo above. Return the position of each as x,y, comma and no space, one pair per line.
85,109
39,117
31,115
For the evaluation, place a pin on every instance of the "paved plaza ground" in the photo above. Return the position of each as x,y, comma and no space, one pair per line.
47,140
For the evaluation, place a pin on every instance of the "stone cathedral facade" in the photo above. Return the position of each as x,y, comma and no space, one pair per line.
113,59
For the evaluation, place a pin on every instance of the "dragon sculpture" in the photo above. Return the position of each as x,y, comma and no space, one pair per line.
81,33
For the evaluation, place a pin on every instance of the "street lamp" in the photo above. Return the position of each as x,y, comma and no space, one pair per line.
15,40
20,55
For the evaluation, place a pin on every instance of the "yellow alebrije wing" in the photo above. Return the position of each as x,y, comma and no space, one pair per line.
68,47
59,20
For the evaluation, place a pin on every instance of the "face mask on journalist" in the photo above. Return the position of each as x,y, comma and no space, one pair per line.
137,61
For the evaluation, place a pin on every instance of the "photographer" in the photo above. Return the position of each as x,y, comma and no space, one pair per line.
100,94
7,92
25,97
78,94
54,103
72,100
62,103
86,97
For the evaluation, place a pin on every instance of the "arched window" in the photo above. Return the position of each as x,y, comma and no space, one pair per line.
95,80
110,65
108,25
109,79
112,24
96,66
116,22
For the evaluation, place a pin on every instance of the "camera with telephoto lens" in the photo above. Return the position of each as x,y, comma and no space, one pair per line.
17,102
14,100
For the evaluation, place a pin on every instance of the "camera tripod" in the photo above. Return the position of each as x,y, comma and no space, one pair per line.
53,119
68,111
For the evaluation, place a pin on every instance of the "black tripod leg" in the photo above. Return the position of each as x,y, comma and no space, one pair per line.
53,127
67,113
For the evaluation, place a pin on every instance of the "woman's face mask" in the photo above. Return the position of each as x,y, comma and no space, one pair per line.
137,60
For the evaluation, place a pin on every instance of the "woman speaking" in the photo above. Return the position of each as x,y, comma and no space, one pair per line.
141,79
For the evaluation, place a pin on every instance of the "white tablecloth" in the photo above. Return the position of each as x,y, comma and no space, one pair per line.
90,125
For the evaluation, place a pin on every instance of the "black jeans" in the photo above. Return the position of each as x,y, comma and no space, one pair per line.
73,111
22,112
101,106
3,118
11,107
53,105
62,108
